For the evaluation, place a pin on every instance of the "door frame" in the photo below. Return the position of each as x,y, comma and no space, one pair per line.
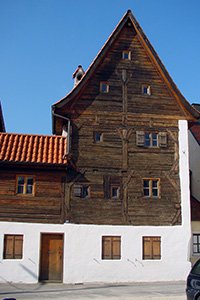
40,256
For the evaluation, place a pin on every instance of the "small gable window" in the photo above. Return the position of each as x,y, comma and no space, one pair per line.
146,90
98,137
126,55
25,185
104,87
81,191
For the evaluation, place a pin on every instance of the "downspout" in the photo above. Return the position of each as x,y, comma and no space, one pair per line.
68,128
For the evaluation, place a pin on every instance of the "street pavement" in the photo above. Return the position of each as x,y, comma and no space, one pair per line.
101,291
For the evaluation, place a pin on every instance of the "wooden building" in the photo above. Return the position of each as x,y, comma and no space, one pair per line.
32,176
124,116
124,203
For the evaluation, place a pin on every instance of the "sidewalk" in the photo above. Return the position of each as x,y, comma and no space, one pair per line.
122,291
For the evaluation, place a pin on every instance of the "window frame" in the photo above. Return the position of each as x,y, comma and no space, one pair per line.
128,53
81,194
151,187
106,90
146,89
113,250
112,187
13,245
197,244
100,140
151,242
25,185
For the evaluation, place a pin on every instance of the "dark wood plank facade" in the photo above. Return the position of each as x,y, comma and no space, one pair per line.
44,206
118,115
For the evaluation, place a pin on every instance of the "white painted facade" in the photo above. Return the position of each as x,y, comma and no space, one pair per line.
194,162
82,245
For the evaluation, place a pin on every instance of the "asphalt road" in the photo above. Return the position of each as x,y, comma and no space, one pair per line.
123,291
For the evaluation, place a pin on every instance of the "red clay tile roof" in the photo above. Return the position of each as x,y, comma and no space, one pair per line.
195,209
195,129
32,149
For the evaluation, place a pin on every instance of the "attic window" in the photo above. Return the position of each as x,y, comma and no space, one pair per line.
146,90
126,55
104,87
98,137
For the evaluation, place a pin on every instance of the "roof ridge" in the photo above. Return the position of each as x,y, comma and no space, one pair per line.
32,134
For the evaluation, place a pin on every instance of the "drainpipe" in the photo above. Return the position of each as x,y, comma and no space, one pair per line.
68,128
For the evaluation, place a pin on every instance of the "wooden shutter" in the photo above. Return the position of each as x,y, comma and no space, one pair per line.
156,253
8,246
13,246
106,247
146,248
77,190
106,183
140,138
151,248
116,247
18,245
162,139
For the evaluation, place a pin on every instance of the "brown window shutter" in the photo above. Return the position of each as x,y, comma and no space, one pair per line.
18,246
156,248
162,139
147,248
8,247
106,247
116,247
140,138
106,182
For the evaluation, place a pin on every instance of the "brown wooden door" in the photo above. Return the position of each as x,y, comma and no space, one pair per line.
51,257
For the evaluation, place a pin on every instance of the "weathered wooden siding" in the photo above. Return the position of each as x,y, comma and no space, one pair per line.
119,114
46,206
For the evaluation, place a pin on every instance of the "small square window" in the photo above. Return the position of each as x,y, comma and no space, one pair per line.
111,247
146,89
126,55
13,246
196,243
82,191
151,188
25,185
104,87
98,137
152,247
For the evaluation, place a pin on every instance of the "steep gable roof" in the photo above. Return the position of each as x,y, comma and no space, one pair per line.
40,150
191,112
2,124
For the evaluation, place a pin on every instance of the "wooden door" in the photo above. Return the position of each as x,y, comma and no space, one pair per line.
51,257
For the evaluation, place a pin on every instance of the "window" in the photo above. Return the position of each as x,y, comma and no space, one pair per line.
126,55
111,247
82,191
196,243
151,139
25,185
98,137
112,187
152,247
151,187
114,192
146,90
104,87
13,246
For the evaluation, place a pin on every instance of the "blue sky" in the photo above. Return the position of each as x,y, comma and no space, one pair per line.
43,41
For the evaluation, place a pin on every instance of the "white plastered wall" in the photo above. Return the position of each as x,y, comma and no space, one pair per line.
82,245
194,162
